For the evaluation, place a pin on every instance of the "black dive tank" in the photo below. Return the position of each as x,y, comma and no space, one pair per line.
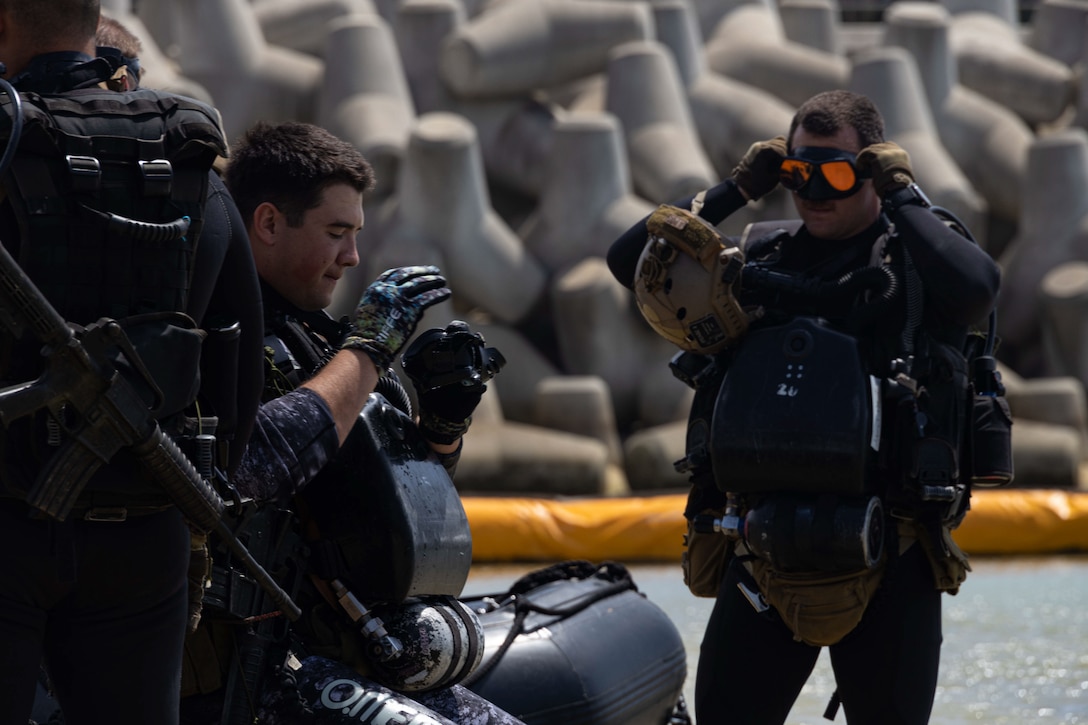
390,521
820,532
329,692
796,412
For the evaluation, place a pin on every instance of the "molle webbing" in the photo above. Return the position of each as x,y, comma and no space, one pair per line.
99,178
293,354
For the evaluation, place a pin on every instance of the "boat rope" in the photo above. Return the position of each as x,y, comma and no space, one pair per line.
613,572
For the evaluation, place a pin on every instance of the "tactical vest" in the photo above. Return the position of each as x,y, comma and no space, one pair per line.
799,408
923,414
106,192
294,351
820,421
97,187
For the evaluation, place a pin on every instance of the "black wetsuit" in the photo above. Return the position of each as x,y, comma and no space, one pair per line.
751,669
105,604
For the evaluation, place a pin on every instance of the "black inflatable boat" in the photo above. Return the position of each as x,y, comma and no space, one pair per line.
578,644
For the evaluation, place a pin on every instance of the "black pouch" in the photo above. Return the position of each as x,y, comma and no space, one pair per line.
168,345
991,441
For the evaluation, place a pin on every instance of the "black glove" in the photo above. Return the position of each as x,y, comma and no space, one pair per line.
449,370
888,164
390,309
757,173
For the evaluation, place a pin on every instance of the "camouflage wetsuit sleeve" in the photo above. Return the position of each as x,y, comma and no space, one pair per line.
294,437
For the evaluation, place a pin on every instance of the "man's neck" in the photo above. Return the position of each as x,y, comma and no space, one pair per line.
63,70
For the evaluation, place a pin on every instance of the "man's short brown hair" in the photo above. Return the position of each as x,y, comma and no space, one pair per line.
113,34
827,113
290,165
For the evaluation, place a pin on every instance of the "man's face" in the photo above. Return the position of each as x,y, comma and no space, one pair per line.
837,218
305,262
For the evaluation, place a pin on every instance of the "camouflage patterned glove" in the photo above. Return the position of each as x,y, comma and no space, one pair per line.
757,173
390,309
888,165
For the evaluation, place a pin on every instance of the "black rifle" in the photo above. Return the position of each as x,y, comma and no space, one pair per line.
82,385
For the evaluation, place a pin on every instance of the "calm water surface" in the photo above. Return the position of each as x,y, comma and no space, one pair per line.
1015,640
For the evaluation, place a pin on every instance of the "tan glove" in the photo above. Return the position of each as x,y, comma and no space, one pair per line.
888,164
757,173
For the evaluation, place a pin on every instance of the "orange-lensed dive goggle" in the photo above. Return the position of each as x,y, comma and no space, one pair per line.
816,173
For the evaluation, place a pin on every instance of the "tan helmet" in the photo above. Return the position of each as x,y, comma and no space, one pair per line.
685,279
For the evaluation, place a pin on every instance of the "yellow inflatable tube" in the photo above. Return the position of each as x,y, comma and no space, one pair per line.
651,528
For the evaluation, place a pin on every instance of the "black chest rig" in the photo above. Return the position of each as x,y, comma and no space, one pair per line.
834,429
102,209
108,192
790,424
800,406
296,346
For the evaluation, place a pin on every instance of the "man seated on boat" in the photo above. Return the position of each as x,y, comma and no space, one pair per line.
300,191
831,403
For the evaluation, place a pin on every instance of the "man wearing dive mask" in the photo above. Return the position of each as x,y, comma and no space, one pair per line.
822,171
819,173
779,599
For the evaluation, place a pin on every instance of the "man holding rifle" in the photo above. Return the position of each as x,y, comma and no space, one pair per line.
118,227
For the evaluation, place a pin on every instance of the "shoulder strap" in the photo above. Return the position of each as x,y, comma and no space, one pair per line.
293,355
757,236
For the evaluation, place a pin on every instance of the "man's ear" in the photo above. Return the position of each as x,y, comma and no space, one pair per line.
266,222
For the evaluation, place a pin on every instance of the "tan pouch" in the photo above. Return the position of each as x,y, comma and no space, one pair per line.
206,654
946,558
819,608
704,558
200,572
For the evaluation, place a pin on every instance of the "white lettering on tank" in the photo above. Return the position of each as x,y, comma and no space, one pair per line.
373,708
787,389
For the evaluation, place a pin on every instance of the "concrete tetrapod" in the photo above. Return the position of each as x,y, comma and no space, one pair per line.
586,201
365,98
889,76
302,26
1053,230
443,196
644,92
813,23
750,45
219,44
516,47
993,60
988,141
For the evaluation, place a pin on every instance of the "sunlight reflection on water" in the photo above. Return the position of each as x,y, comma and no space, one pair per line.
1015,641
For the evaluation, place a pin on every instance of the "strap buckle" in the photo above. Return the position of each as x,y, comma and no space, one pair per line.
158,176
85,172
109,514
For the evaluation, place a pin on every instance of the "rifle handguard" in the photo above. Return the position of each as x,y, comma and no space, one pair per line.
202,505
